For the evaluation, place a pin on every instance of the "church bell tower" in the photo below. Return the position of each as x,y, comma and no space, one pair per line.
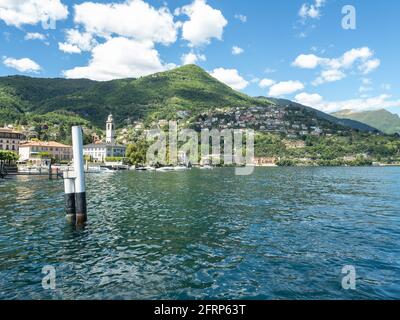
110,130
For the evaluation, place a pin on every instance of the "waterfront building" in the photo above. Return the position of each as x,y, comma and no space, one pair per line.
10,139
32,150
110,149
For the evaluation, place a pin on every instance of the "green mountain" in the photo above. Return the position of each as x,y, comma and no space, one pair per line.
381,119
158,96
351,123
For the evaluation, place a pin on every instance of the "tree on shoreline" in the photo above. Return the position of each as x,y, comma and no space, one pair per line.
8,156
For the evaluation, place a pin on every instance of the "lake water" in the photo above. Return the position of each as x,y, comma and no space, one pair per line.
281,233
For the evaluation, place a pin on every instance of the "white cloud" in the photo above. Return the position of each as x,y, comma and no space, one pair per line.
308,99
120,58
353,55
386,86
265,83
241,17
307,61
362,104
285,87
68,48
369,66
192,58
312,11
230,77
237,50
121,38
22,65
329,76
334,69
19,12
132,19
204,24
77,41
35,36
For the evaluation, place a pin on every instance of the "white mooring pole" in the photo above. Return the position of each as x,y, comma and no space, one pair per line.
69,187
80,192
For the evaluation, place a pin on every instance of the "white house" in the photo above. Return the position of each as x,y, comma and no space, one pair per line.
10,139
100,151
31,151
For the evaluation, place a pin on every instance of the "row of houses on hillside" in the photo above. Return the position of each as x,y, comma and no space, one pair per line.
34,150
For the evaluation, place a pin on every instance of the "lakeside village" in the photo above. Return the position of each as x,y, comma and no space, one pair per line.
18,155
128,150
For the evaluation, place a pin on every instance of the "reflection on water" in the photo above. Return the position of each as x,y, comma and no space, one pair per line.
281,233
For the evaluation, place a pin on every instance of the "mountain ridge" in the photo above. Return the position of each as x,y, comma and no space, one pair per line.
158,96
382,119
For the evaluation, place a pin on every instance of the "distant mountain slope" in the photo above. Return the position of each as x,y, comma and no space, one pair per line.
161,95
357,125
381,119
157,96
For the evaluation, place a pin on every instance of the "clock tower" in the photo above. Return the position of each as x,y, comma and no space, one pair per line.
110,130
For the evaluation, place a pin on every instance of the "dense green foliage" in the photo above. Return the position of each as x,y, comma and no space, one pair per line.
8,156
160,95
136,152
114,159
356,149
381,119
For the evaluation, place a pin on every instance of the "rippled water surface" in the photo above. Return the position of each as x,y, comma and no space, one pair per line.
281,233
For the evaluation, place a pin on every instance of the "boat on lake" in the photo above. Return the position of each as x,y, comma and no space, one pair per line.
99,169
206,168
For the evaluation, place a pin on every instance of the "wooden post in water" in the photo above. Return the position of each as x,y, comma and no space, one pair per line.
50,172
79,171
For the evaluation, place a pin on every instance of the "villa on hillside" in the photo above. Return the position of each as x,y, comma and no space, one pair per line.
31,151
10,139
265,161
100,151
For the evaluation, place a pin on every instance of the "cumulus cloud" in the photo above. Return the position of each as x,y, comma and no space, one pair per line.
20,12
120,58
22,65
132,19
121,37
237,50
77,41
329,76
369,66
362,104
308,99
307,61
285,87
312,11
266,83
68,48
192,58
334,69
204,24
35,36
230,77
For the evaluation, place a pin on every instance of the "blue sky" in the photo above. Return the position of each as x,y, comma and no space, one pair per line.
295,49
